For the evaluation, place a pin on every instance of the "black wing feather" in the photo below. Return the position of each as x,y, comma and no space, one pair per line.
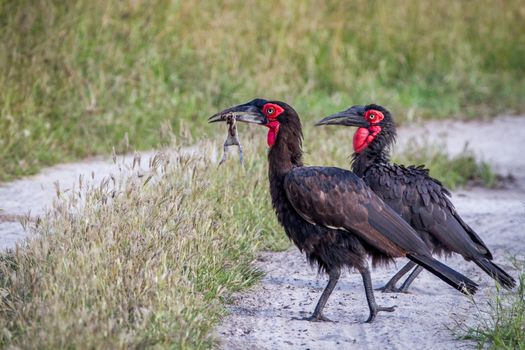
426,206
337,198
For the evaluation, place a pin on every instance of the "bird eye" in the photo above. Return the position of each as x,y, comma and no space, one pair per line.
371,116
270,111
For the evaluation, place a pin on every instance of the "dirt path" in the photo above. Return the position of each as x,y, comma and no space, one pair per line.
262,318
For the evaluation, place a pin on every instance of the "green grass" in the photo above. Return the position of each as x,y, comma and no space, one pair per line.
503,325
81,77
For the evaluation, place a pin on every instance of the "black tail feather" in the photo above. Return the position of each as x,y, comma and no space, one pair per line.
496,272
445,273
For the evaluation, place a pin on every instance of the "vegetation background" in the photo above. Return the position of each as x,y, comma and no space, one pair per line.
80,77
151,261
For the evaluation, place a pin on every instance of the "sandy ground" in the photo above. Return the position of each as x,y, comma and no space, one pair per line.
262,318
427,317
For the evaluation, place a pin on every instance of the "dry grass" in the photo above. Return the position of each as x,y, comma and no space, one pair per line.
139,262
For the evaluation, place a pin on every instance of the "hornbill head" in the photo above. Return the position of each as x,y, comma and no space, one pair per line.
272,114
376,128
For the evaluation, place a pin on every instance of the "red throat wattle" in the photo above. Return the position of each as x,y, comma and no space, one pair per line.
272,132
363,137
272,111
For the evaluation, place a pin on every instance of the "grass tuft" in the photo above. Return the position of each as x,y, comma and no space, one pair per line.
503,325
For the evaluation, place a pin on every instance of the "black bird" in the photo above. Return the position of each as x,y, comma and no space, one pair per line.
331,214
420,199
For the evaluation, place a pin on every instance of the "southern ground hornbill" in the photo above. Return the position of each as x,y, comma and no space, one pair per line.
331,214
420,199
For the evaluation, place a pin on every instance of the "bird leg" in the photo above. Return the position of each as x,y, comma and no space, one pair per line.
369,291
390,286
410,279
318,316
231,140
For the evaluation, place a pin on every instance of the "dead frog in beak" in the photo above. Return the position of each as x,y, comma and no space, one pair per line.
231,140
247,113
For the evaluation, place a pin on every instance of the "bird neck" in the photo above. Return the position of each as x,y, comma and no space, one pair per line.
368,157
283,156
286,153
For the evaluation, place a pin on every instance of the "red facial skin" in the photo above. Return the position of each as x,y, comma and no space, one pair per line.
272,111
364,136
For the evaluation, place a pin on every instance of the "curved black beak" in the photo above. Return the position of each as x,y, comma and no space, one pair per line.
353,116
247,113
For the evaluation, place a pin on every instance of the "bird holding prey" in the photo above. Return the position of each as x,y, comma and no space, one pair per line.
330,213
